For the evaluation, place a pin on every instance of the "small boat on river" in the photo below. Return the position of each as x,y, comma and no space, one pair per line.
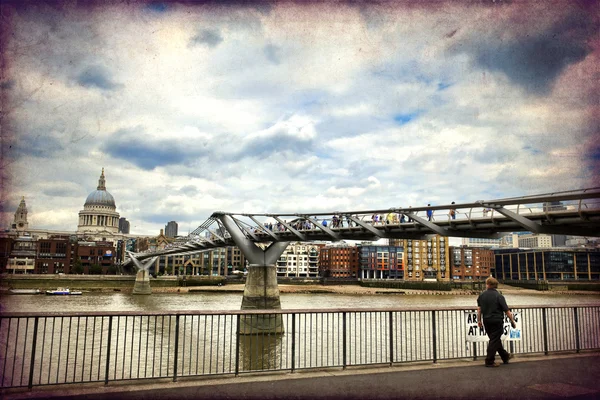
25,291
62,292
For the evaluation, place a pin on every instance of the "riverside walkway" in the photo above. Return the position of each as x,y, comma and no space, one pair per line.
572,376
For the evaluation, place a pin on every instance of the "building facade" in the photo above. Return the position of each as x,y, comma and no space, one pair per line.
471,263
124,225
381,262
533,240
548,264
94,258
22,256
171,229
339,261
54,255
299,260
426,259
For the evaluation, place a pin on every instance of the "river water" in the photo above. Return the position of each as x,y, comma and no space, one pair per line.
215,301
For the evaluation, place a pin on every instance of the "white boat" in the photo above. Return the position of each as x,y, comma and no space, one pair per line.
25,291
62,292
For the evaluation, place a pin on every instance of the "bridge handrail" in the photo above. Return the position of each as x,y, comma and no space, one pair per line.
78,348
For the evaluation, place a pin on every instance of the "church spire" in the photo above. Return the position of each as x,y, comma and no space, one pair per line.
20,223
101,182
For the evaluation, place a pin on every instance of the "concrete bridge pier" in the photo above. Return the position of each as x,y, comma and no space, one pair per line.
142,282
142,278
261,293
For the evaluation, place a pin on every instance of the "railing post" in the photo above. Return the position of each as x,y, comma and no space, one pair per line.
391,318
237,347
434,336
33,345
344,340
108,349
575,316
176,351
293,342
545,328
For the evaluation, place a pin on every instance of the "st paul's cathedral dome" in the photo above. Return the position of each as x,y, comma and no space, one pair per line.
99,211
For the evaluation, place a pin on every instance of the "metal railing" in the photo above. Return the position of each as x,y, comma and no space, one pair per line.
64,348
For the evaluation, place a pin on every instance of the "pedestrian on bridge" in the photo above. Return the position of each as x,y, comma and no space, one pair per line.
491,305
429,213
452,213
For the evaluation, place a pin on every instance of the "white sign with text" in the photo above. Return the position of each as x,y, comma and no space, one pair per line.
477,334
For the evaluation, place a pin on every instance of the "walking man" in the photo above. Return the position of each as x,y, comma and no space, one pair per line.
491,305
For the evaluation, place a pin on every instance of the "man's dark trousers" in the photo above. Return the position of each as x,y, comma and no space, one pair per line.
494,329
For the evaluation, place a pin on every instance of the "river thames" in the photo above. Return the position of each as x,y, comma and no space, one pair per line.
215,301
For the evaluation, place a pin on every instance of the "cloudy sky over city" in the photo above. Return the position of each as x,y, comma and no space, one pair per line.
283,106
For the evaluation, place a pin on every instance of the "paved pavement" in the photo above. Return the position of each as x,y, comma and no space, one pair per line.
526,377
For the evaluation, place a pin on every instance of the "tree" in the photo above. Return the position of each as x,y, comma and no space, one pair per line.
77,268
95,269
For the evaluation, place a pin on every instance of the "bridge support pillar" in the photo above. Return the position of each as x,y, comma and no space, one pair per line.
261,293
142,282
142,278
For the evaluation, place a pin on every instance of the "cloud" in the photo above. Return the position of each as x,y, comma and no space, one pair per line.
531,56
136,147
158,7
273,53
7,85
97,77
210,37
193,108
294,134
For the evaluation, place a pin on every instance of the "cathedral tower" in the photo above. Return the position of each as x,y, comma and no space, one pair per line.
20,223
99,211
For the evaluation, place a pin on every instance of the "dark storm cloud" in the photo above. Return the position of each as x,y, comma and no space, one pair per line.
134,146
535,60
273,54
159,7
210,37
7,85
35,144
98,77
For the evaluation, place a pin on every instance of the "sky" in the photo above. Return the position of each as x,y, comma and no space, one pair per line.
266,107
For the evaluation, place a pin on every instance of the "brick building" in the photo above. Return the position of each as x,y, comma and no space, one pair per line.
471,263
426,259
54,256
339,262
95,253
381,262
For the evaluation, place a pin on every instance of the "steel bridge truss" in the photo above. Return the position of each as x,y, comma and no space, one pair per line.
574,212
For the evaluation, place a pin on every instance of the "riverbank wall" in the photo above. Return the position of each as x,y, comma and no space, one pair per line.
98,282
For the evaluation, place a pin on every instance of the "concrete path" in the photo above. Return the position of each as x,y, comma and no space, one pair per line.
526,377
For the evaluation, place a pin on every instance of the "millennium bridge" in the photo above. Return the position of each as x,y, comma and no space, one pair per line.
263,237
